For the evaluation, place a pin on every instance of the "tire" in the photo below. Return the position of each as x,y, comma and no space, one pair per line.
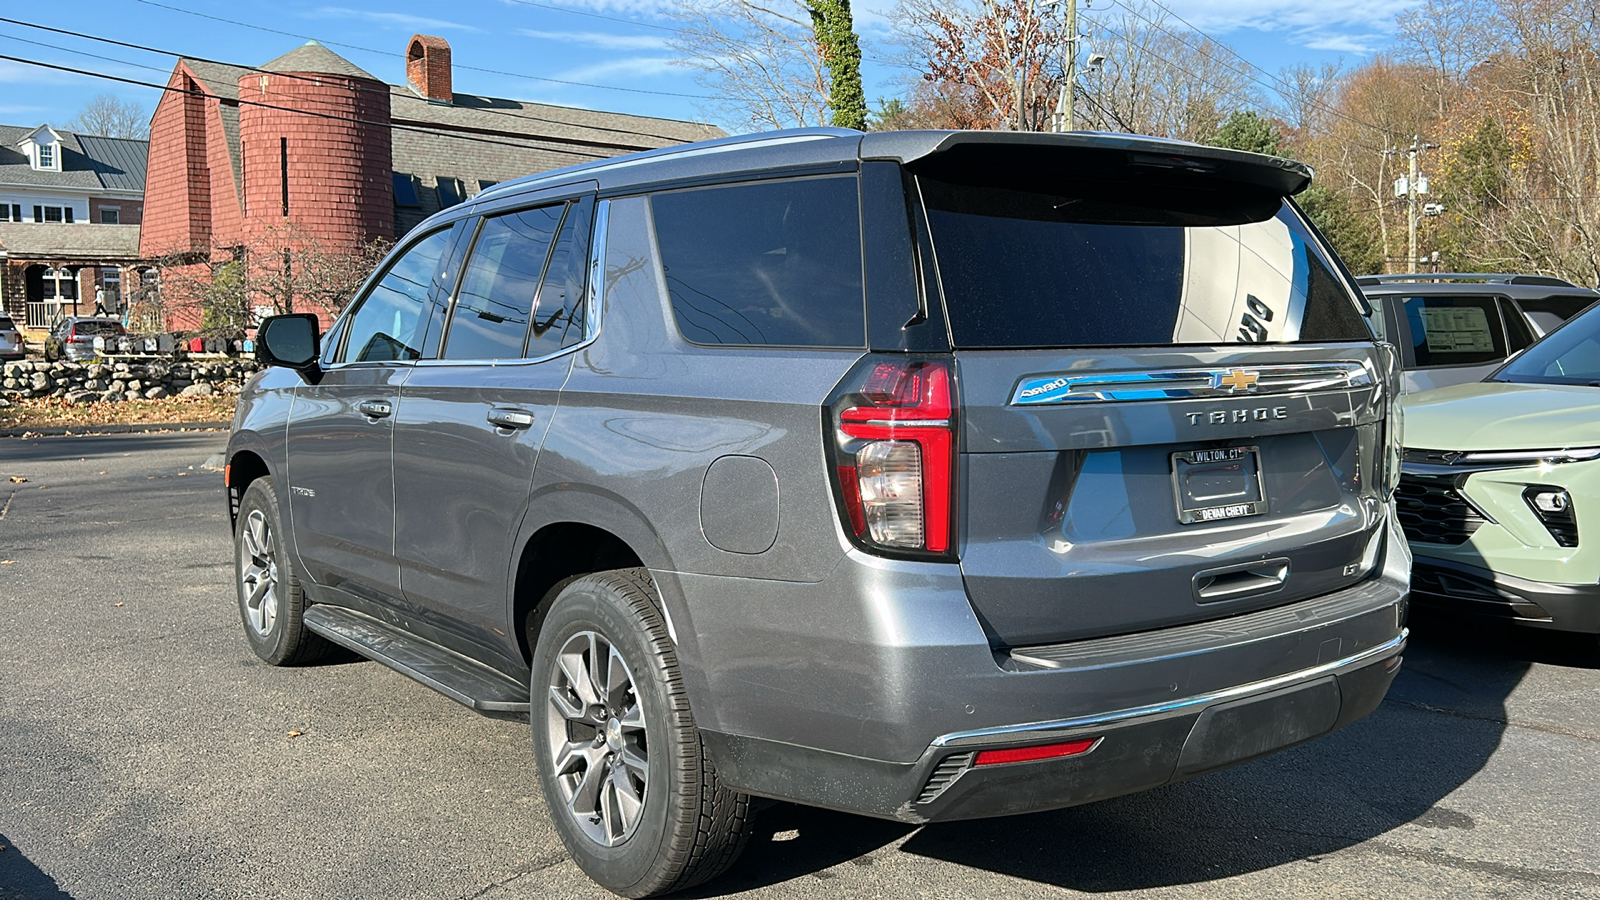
271,602
633,797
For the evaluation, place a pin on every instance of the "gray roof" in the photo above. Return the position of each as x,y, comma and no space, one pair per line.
77,243
315,58
472,138
87,162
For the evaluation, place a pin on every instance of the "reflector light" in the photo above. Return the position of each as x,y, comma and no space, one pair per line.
1029,754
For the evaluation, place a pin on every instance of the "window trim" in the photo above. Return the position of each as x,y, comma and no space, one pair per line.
594,289
365,292
466,262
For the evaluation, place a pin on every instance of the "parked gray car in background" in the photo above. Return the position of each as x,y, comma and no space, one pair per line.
1456,328
12,346
925,475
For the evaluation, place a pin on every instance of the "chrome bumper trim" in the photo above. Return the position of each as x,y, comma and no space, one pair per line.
1051,729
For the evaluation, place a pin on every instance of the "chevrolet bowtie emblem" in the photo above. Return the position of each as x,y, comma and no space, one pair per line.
1237,380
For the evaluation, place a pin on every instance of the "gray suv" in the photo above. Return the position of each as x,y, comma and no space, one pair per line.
924,475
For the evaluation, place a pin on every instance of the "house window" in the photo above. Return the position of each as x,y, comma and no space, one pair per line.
110,216
60,284
449,192
484,184
5,212
47,156
52,213
405,191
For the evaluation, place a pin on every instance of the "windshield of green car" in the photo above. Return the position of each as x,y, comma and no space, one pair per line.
1568,355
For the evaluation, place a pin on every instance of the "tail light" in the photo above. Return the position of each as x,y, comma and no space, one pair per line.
893,443
1393,435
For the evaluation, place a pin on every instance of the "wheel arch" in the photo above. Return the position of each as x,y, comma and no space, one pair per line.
244,466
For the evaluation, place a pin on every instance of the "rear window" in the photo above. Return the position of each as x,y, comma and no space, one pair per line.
1455,331
89,329
1548,312
1028,268
6,324
773,263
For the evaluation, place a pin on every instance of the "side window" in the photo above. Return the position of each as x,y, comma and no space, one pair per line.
1548,312
775,263
1518,334
1455,331
490,318
387,323
558,321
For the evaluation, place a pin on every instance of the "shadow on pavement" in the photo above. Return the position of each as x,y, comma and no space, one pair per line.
20,879
1389,769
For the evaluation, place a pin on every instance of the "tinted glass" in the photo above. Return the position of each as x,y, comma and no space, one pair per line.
385,326
1518,334
449,192
1549,312
490,320
1571,355
1455,331
405,191
1026,268
775,263
559,319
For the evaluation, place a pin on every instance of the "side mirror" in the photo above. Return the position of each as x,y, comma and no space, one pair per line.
291,341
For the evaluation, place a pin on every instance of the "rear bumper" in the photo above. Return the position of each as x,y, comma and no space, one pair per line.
1461,587
1134,749
873,690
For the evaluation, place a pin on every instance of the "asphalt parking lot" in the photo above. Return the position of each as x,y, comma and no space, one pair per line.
144,752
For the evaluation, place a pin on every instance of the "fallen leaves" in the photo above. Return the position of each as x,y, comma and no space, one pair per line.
7,562
18,479
118,603
44,412
295,732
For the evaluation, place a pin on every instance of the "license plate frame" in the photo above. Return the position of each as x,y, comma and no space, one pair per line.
1218,484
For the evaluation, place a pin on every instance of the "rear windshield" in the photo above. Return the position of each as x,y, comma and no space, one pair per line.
81,329
1025,268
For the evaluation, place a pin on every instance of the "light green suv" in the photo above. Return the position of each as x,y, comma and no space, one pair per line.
1500,490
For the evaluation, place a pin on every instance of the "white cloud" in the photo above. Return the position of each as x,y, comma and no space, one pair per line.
639,67
1343,43
400,20
1356,26
600,39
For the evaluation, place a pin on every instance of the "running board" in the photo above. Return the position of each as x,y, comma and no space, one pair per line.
469,683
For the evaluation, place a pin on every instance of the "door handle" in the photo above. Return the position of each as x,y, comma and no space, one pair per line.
504,417
376,409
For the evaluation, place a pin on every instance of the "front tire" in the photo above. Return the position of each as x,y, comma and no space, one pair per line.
623,771
271,603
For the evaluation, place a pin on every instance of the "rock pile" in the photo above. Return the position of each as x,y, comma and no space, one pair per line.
89,382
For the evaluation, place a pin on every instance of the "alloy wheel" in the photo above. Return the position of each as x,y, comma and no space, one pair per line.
597,739
259,572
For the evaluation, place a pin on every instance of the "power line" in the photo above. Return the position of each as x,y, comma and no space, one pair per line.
436,132
286,75
303,37
1278,86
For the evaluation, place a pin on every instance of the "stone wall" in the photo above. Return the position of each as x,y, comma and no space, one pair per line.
90,382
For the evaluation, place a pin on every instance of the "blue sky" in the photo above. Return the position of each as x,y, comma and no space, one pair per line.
533,48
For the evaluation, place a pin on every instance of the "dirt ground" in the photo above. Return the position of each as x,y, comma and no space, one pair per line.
53,411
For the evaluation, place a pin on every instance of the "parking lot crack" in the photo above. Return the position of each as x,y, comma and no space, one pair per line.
515,877
1570,877
1498,720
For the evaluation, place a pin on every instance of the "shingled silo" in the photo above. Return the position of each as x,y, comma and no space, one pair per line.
314,147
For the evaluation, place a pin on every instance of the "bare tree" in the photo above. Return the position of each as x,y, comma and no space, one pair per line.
110,116
1159,78
759,59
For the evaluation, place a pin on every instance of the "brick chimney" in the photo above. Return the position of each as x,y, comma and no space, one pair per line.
428,67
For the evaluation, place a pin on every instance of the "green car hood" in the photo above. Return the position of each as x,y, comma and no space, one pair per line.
1493,415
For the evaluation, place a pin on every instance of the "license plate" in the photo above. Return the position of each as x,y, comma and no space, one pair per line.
1213,485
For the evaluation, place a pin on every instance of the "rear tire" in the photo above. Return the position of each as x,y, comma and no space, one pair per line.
271,603
620,760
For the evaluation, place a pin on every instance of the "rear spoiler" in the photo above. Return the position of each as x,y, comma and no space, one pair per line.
1018,153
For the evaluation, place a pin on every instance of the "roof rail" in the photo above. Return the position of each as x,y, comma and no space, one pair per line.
1481,277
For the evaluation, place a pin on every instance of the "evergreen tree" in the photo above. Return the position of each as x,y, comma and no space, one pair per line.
1247,130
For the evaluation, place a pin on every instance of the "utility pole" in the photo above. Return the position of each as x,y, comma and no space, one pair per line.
1412,187
1065,103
